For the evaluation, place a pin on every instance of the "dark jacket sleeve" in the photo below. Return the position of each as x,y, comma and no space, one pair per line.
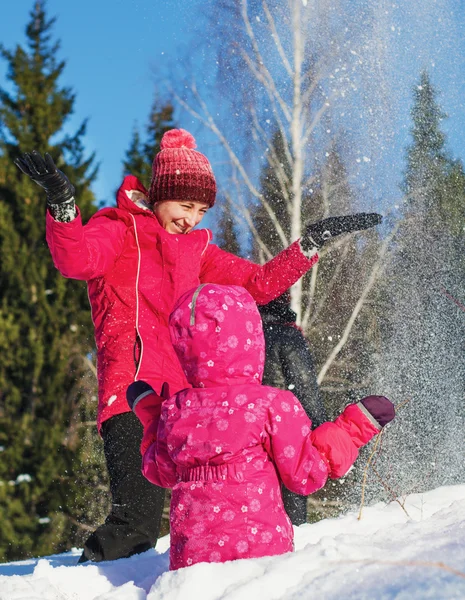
289,363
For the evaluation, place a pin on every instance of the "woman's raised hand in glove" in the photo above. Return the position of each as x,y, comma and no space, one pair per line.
316,234
43,171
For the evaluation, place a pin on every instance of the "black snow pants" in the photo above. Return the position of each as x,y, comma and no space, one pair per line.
133,524
295,506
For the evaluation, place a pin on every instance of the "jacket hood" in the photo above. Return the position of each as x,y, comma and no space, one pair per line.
132,195
217,333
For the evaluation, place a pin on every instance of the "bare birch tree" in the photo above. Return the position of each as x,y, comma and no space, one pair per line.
284,68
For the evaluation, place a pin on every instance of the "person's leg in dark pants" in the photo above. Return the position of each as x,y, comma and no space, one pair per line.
295,506
133,524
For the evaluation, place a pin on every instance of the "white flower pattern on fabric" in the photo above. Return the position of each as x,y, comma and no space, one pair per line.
250,417
255,505
242,546
233,341
289,451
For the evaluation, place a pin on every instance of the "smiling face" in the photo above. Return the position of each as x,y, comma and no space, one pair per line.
179,216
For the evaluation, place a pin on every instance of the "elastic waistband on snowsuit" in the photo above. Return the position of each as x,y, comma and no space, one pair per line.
233,471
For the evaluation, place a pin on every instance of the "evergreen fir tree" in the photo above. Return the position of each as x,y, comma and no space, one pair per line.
423,352
338,277
275,180
46,335
226,236
141,153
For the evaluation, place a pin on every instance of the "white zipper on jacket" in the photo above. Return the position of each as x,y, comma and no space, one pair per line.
208,241
137,299
197,291
194,300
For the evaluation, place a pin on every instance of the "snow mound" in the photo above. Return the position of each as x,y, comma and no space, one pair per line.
413,551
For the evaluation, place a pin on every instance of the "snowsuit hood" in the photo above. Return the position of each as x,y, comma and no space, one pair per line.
217,333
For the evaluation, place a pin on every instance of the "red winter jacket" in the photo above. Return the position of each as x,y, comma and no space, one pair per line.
135,272
225,444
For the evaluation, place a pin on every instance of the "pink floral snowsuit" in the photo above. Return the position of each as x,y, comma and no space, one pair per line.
225,444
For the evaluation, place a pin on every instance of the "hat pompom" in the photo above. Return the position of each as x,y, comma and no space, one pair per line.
178,138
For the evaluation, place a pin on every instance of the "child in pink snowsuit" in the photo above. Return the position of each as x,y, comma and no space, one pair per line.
225,444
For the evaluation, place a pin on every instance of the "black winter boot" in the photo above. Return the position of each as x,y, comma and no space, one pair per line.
133,524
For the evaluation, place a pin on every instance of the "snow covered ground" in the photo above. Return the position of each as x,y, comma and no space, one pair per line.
387,554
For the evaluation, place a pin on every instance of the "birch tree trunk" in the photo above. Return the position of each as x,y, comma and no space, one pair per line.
296,131
289,65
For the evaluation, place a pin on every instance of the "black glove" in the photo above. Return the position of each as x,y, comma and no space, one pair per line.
317,233
44,172
139,389
136,391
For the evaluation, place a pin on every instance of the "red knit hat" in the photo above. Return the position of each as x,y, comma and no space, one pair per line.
181,173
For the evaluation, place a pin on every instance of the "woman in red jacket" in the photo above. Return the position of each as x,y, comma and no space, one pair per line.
137,260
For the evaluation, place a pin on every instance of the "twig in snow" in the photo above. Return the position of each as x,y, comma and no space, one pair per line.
391,492
365,473
454,300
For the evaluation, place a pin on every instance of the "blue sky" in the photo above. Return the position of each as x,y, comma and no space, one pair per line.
111,49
